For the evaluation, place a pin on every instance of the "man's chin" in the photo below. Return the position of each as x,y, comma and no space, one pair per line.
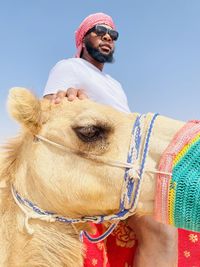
100,55
104,58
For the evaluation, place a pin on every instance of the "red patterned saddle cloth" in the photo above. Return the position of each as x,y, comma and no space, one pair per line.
119,249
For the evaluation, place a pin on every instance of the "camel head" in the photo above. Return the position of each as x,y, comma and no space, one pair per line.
70,159
75,181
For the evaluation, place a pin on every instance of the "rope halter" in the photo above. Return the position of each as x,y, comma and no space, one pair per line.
133,177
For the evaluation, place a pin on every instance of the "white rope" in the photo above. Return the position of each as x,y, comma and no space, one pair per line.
160,172
89,156
30,214
113,163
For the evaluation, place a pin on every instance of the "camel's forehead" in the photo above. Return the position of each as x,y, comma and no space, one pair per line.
85,109
82,105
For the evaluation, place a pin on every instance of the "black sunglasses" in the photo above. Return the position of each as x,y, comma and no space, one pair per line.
102,30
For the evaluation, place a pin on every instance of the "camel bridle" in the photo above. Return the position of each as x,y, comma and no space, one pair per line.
131,187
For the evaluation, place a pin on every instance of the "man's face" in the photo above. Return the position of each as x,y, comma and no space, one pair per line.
100,45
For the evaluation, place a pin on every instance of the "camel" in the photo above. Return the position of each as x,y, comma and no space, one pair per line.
69,161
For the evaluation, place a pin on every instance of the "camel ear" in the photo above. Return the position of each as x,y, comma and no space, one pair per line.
25,108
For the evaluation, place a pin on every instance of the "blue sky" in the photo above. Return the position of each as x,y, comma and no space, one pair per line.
157,54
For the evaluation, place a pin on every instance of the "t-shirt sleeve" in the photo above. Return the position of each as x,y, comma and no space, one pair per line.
61,77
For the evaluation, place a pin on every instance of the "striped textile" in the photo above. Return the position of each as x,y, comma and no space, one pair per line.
177,197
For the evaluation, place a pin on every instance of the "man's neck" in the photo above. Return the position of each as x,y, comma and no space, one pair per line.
94,62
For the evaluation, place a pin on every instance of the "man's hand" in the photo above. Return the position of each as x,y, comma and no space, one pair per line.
70,93
157,243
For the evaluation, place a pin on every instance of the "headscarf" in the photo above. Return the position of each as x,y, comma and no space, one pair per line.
87,24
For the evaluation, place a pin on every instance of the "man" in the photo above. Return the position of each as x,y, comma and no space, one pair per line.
95,40
83,77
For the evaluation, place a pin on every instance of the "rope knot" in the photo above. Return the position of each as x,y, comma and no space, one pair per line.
133,173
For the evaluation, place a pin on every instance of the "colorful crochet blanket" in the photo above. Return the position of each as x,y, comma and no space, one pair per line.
178,195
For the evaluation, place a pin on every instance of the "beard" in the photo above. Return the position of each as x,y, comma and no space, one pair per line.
97,55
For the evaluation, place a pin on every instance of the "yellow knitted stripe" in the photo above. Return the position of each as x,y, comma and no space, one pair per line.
172,192
184,150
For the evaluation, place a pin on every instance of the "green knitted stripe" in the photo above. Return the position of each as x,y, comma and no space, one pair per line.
186,182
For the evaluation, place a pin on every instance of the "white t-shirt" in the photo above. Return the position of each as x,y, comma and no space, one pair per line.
80,74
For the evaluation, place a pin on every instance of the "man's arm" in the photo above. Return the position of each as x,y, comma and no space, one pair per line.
157,243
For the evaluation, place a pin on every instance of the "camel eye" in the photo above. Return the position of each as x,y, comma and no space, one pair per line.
90,133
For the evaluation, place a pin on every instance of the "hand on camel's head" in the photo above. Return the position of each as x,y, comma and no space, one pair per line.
75,182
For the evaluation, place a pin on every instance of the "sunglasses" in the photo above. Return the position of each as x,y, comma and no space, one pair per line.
102,30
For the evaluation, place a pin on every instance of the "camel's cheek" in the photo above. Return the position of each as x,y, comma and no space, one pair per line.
147,195
145,208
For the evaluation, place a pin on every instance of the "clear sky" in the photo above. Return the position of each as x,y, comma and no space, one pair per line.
157,56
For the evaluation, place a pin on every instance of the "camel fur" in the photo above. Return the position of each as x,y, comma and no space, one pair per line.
70,184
